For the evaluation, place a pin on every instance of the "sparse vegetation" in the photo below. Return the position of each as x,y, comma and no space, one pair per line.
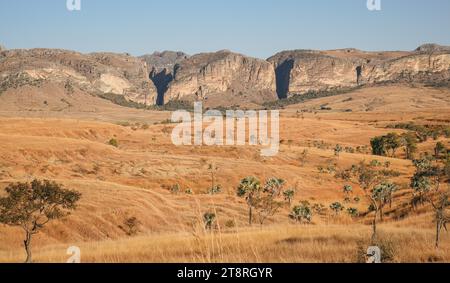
209,219
31,206
113,142
301,212
300,98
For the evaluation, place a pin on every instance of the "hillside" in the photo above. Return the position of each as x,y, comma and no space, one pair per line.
135,180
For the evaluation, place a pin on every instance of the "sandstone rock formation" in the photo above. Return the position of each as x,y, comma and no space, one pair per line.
161,67
96,73
223,76
301,71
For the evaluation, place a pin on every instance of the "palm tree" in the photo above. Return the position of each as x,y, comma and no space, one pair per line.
337,207
209,218
347,190
212,168
289,195
249,187
273,186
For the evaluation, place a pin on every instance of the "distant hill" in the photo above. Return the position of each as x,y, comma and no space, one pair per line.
220,78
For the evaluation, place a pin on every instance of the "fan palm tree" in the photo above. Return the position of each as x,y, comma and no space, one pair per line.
249,188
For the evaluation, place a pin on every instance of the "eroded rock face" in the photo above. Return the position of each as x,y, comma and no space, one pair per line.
301,71
305,70
96,73
413,68
223,74
222,78
164,60
161,66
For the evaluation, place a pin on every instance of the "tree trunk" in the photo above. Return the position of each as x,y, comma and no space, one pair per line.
27,245
250,217
381,213
374,228
438,232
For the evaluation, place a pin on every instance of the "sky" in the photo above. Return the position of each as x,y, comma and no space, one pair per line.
258,28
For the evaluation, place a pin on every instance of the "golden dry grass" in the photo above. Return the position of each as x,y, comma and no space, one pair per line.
132,180
277,244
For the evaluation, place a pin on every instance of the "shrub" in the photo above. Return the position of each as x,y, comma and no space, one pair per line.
209,219
215,190
113,142
301,212
337,207
353,212
230,224
175,189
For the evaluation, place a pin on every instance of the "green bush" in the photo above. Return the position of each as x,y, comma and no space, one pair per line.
113,142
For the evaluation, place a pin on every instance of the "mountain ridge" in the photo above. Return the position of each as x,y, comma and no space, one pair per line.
221,78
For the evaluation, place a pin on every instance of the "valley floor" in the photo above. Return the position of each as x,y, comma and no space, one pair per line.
134,179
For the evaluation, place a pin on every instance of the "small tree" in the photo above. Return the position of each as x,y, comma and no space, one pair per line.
392,142
347,190
32,205
217,189
441,217
209,218
337,207
250,188
113,142
337,150
289,195
410,142
438,149
212,168
368,177
378,146
382,194
353,212
270,200
421,181
301,212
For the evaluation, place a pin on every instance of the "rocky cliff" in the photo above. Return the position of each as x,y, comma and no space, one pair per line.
223,76
96,73
161,66
300,71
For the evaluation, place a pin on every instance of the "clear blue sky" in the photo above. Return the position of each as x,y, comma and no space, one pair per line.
258,28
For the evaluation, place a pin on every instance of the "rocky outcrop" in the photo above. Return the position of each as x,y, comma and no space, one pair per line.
431,47
420,68
161,66
165,60
222,78
222,75
302,71
96,73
